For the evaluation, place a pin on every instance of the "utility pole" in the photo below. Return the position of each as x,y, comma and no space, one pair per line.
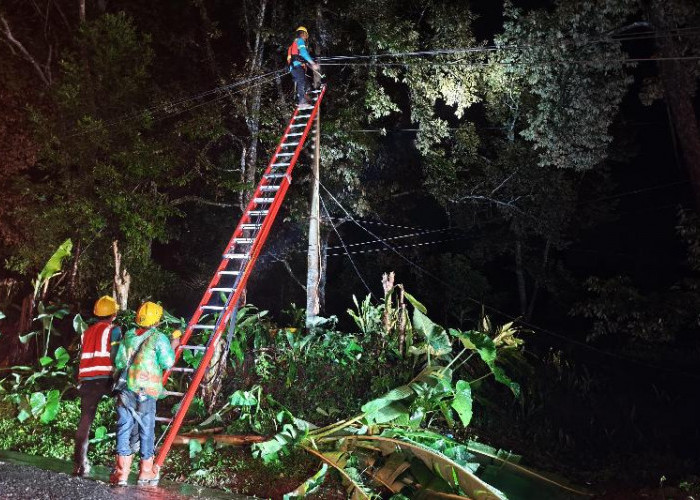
313,274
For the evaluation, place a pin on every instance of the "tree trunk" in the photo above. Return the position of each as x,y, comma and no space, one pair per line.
252,101
43,71
520,275
81,10
536,286
207,29
678,84
122,279
74,271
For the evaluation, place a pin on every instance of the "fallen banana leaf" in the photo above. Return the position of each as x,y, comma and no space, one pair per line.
450,471
356,489
481,451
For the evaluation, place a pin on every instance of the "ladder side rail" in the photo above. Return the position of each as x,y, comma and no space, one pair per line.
238,231
305,134
241,282
284,185
206,359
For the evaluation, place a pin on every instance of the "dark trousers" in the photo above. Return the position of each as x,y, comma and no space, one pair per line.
299,76
91,391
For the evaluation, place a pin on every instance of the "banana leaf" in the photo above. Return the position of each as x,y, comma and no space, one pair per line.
457,476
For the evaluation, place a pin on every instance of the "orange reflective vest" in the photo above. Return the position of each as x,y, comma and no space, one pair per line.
95,360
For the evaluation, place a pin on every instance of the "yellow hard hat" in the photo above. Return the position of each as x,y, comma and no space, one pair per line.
301,28
149,314
105,306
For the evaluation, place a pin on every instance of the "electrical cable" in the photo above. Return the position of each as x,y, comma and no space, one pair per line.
400,237
246,84
413,245
496,48
376,223
636,191
325,209
497,311
468,64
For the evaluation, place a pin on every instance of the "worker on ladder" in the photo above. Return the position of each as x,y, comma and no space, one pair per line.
143,355
297,57
99,344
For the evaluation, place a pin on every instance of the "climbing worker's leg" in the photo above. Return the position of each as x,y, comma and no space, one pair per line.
126,405
299,76
91,391
148,473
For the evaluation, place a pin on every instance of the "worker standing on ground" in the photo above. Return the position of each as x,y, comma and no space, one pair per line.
99,344
297,57
144,354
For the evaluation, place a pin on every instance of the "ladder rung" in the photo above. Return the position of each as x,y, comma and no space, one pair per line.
163,419
247,241
230,273
258,212
194,347
250,226
274,176
301,117
269,188
214,308
285,154
236,256
173,393
297,125
263,200
289,144
203,327
181,369
280,164
222,289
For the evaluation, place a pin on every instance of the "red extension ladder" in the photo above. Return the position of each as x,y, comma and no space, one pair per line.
229,281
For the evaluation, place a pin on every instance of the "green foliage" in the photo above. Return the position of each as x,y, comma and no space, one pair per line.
53,266
310,485
367,316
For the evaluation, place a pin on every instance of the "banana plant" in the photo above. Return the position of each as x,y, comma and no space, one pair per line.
387,445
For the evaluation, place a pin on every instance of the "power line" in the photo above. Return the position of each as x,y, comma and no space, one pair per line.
469,64
400,237
689,31
636,191
495,310
247,83
377,223
323,203
413,245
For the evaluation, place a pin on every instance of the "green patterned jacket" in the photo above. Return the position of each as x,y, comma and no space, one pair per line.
146,371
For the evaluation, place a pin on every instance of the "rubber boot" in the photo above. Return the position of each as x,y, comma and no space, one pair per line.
149,474
120,473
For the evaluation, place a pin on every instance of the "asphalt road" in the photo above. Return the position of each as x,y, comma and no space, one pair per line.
37,478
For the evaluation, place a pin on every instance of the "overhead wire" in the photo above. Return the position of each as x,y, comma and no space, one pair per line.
400,237
246,84
688,31
413,245
497,311
335,228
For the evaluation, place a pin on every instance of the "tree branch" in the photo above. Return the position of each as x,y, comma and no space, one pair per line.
44,74
288,267
201,201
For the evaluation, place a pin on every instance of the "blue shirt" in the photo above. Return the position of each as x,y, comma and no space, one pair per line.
303,52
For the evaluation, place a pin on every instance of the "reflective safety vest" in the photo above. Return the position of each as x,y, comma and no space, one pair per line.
95,358
293,54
